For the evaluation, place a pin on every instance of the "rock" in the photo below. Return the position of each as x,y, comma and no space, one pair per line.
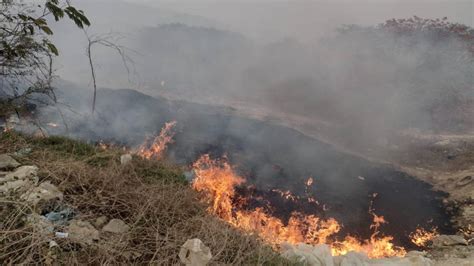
99,222
195,253
456,262
20,180
83,232
7,162
40,224
53,244
352,258
116,226
465,181
443,143
23,172
318,255
23,152
42,193
414,260
415,253
125,159
448,240
131,255
16,186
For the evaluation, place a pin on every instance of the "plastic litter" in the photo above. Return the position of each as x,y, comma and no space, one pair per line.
61,234
60,217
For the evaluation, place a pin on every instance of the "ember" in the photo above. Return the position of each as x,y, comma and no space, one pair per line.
217,180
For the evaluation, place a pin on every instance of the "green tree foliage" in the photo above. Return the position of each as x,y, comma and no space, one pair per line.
26,51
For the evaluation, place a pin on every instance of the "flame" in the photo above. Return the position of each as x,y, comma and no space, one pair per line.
217,180
157,148
421,237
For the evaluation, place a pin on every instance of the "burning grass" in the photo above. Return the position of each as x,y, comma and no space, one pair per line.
150,196
217,180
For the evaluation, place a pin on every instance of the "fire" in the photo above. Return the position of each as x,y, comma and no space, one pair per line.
157,148
421,237
217,180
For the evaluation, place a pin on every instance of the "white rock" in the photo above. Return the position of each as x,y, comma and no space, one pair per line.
125,159
116,226
83,232
40,224
23,172
195,253
406,261
353,258
448,240
44,192
16,186
7,162
318,255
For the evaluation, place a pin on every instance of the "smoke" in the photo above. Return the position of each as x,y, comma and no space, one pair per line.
286,60
209,71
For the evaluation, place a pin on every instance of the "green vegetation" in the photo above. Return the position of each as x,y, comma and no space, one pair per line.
26,51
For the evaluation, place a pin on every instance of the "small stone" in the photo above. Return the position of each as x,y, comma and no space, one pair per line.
42,193
449,240
7,162
23,172
53,244
40,224
100,221
195,253
16,186
465,181
22,152
353,258
116,226
318,255
83,232
125,159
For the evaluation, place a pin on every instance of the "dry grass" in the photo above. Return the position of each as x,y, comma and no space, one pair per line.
152,197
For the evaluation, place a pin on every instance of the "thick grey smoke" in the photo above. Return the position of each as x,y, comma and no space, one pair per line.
282,57
287,63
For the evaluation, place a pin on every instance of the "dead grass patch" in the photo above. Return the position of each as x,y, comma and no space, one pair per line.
152,197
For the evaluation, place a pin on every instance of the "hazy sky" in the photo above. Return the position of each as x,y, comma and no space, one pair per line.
308,19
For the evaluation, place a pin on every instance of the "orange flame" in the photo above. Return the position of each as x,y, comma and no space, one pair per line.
157,148
421,237
217,180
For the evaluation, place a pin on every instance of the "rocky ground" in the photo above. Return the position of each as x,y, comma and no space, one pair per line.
64,202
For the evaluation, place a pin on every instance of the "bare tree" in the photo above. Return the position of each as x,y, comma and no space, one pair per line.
110,41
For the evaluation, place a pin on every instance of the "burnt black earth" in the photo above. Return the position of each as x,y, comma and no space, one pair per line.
271,157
